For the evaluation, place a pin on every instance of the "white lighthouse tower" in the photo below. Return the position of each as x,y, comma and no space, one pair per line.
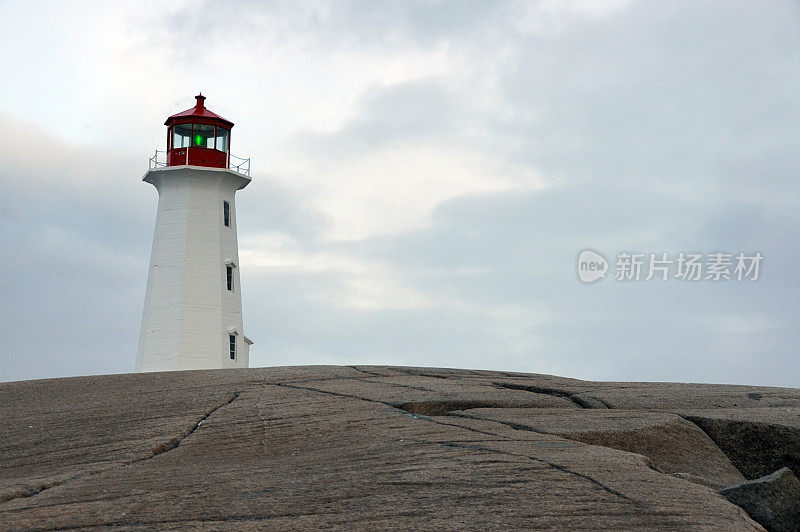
193,307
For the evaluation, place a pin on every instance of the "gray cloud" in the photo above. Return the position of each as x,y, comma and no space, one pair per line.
419,112
268,205
341,24
76,233
649,128
492,252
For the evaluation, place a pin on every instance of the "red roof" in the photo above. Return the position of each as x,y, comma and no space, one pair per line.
199,111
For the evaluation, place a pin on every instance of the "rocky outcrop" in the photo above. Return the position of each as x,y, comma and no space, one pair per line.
772,500
758,441
672,444
375,447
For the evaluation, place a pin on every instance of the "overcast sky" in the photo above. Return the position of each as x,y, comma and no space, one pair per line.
425,175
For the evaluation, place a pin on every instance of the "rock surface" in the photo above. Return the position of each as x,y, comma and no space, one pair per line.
672,444
772,500
382,447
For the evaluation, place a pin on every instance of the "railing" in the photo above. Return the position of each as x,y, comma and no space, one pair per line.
156,162
239,165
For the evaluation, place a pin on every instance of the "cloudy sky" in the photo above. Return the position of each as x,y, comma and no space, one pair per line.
425,175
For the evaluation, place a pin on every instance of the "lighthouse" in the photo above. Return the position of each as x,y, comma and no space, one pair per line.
192,315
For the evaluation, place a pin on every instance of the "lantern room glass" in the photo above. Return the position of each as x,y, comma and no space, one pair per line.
181,135
222,139
202,136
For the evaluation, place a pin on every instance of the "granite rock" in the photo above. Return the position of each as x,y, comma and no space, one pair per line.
772,500
369,447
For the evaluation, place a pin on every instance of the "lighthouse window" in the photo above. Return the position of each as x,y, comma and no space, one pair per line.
229,274
226,213
203,136
232,339
181,135
222,139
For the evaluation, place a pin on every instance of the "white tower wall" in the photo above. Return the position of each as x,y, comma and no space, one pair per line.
189,312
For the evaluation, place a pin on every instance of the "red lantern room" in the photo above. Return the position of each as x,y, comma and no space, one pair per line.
198,137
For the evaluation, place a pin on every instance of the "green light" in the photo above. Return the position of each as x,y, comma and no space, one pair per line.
198,140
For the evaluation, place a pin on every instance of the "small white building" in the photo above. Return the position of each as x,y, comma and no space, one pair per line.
193,306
